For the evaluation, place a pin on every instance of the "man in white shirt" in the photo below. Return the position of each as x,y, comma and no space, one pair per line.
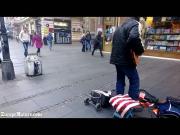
25,39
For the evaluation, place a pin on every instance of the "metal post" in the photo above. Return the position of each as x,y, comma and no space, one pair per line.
7,65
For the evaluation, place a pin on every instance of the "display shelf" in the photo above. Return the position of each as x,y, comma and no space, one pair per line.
163,34
161,40
164,45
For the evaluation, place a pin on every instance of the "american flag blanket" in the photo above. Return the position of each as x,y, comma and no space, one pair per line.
123,103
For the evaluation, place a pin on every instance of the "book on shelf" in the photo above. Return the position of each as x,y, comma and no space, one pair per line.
162,47
176,43
175,30
163,19
168,48
166,31
159,31
150,47
170,43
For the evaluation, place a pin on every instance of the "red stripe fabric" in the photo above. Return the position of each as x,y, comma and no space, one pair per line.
116,97
119,102
123,102
125,105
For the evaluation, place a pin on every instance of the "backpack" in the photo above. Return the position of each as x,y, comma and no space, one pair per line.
171,108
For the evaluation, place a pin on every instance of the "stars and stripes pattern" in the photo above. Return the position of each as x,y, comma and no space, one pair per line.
122,103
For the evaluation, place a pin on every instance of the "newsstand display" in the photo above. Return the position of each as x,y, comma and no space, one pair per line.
163,37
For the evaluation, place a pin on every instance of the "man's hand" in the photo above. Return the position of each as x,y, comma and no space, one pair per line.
136,58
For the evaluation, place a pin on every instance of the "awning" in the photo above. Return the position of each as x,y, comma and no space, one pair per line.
20,20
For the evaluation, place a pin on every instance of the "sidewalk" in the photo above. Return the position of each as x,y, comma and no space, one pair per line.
69,75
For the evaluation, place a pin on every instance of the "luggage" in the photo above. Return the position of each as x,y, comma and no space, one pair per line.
33,65
144,96
104,97
99,99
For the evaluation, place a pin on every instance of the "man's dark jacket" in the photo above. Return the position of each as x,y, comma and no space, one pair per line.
126,39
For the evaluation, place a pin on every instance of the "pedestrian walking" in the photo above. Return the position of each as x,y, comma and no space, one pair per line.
17,38
25,39
0,53
31,38
37,41
88,41
49,39
126,49
83,42
98,43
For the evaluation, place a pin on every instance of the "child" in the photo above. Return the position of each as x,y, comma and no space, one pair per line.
83,40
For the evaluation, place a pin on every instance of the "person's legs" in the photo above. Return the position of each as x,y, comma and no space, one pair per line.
24,49
25,45
93,50
49,45
120,83
38,51
134,81
86,46
100,49
83,47
90,46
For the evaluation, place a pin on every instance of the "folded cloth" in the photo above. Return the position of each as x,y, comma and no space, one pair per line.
123,103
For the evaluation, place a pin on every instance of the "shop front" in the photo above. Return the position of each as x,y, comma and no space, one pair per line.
46,25
37,25
109,26
62,31
162,37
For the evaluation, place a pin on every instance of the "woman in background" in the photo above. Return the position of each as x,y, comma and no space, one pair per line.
37,40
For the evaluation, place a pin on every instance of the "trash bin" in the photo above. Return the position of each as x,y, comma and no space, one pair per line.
45,40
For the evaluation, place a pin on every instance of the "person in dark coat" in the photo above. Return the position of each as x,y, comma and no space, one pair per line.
0,53
82,40
88,41
126,44
98,43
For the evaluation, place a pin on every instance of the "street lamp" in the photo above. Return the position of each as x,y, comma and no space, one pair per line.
7,65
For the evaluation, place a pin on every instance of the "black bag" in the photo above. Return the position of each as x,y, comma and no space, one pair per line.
144,96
